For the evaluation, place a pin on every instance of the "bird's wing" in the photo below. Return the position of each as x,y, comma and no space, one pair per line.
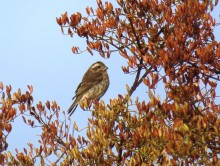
89,80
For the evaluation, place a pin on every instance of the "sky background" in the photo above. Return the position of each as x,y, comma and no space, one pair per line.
33,51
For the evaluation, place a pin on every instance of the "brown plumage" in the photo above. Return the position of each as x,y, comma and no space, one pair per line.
94,84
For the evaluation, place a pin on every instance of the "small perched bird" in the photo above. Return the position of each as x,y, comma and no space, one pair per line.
94,84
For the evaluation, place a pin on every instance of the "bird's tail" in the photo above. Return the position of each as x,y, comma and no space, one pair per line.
72,108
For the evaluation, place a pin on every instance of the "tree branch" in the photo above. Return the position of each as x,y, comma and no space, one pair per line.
138,81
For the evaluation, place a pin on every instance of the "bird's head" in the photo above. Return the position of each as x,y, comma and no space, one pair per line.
99,67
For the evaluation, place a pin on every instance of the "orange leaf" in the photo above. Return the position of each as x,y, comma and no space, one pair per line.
30,87
89,50
1,86
48,105
88,11
59,21
8,127
212,84
177,124
75,126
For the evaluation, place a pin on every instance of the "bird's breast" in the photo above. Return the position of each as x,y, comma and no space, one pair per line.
97,91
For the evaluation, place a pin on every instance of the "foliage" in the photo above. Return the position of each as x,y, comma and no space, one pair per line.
169,42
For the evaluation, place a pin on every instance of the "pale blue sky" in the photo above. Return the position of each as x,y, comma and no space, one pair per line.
33,51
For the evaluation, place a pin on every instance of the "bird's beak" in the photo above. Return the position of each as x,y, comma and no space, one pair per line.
106,68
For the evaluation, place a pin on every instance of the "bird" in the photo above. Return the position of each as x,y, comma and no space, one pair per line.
94,84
